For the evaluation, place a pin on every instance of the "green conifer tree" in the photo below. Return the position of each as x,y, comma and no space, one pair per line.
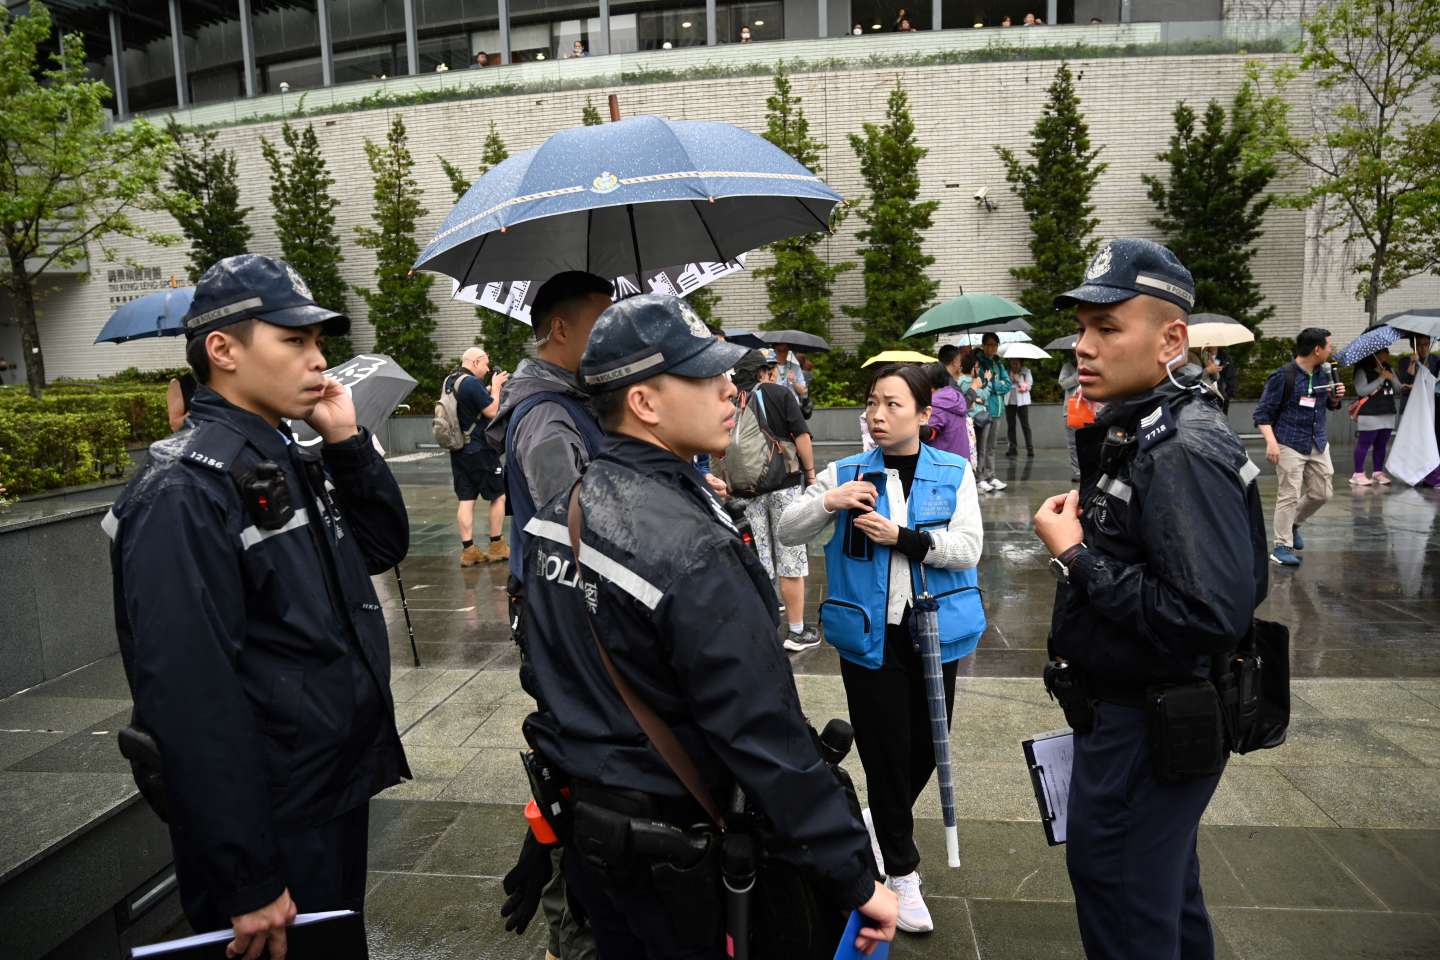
1212,206
400,307
503,338
799,283
300,183
897,288
590,116
205,199
1054,189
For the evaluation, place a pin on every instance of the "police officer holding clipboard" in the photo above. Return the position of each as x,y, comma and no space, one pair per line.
252,638
1161,558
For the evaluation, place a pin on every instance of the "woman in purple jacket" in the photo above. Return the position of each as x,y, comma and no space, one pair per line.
946,429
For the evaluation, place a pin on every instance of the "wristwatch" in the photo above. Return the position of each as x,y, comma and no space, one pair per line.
1060,566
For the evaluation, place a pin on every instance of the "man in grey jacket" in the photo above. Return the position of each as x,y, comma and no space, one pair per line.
547,446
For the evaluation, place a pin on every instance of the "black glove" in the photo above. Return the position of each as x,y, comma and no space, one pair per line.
524,884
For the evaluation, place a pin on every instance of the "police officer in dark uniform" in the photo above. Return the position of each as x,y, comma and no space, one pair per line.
1161,562
254,644
686,615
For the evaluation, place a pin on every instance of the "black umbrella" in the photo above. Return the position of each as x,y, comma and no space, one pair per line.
1063,343
795,340
377,385
745,338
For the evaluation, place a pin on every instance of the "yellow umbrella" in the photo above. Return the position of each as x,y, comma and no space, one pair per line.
898,356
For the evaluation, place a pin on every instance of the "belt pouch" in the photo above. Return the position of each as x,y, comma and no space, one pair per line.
602,837
692,898
1186,729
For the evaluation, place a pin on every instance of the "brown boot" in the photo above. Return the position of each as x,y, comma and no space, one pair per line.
471,556
499,552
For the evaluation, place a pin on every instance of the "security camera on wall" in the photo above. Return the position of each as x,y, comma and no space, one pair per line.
982,199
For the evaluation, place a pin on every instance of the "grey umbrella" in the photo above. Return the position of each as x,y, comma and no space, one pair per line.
925,625
1424,322
1063,343
377,385
796,340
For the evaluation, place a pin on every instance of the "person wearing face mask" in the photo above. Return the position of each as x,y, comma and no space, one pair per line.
892,509
667,623
1160,558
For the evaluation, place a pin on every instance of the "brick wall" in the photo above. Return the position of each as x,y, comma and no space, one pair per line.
960,113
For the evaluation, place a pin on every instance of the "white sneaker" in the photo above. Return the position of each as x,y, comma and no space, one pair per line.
914,915
997,484
874,841
983,486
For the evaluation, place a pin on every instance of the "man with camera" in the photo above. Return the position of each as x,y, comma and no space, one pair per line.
661,689
252,638
1161,561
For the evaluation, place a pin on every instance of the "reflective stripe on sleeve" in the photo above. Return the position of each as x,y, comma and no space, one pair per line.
252,535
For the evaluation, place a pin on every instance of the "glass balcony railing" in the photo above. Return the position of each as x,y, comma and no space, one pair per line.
649,65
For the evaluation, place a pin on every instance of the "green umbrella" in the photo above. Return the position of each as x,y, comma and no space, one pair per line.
965,311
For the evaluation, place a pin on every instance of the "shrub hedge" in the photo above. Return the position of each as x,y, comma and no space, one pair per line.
43,450
77,433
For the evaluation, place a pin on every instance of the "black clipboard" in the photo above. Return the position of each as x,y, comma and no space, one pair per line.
1048,757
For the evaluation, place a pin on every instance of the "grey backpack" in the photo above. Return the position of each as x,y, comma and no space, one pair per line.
756,461
445,425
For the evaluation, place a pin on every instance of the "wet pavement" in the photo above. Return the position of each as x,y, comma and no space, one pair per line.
1328,846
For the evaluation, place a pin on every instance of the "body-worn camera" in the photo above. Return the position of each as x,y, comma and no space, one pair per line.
267,496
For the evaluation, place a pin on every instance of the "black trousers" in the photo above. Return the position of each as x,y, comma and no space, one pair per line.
629,920
1011,412
892,732
1130,847
324,870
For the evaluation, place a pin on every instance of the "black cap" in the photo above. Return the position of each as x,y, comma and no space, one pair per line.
250,286
1128,267
650,334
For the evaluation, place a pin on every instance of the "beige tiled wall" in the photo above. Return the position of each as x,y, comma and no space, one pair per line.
960,113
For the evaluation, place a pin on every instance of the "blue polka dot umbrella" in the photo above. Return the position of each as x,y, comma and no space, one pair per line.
622,198
1370,342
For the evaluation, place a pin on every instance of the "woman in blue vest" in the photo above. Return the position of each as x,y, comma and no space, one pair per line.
894,507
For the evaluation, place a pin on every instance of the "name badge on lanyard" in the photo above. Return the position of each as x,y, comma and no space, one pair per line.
1307,402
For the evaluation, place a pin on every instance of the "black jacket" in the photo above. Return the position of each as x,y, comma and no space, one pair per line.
268,696
687,614
1177,559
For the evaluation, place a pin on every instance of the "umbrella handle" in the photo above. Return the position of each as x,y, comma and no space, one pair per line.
924,587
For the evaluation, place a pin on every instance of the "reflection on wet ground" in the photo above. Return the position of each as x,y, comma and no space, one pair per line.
1328,846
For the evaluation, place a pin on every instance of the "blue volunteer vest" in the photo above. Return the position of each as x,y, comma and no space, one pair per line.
853,612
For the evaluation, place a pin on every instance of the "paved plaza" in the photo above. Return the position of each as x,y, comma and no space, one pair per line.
1327,847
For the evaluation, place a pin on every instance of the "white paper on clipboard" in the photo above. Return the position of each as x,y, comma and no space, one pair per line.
1049,757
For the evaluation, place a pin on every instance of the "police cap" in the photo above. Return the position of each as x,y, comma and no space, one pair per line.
251,286
1128,267
650,334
